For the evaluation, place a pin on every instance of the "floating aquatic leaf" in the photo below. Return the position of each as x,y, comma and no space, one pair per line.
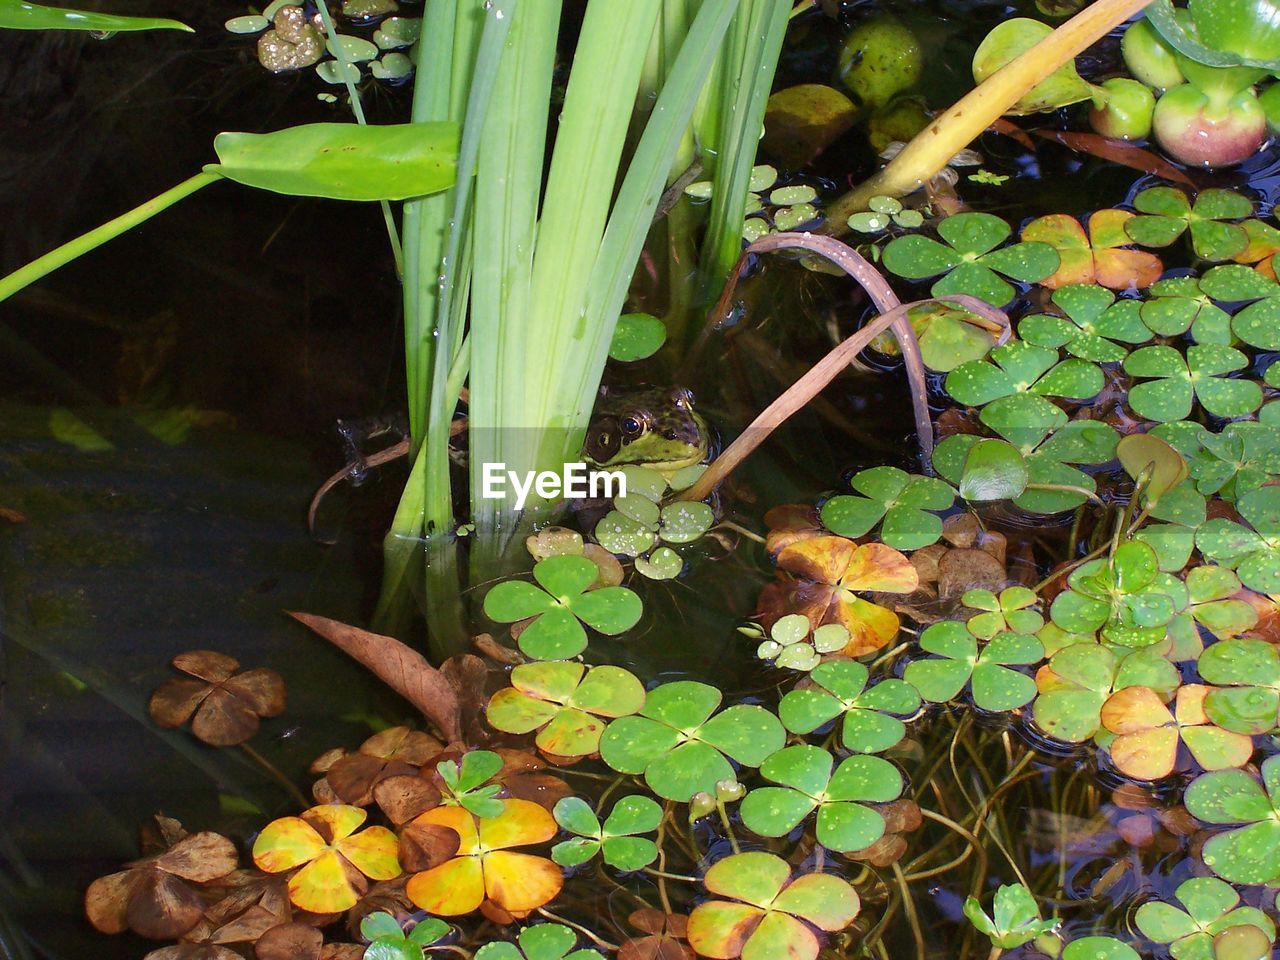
392,66
769,913
1099,948
681,748
1075,684
323,841
1209,906
1247,673
1148,733
223,705
1179,304
566,703
1010,612
1165,214
1013,37
807,783
899,499
1174,381
542,941
1251,852
562,603
247,24
617,838
637,335
1102,257
486,867
1095,326
959,661
838,688
1125,596
1253,551
969,258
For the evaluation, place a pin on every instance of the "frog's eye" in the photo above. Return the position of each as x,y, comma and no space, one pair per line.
631,426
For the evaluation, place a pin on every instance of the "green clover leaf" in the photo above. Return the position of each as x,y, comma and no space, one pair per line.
1179,304
844,821
1007,613
959,661
1211,603
1246,672
899,499
969,259
1099,948
1251,852
794,644
1094,327
1015,918
1175,381
1020,368
681,748
563,604
1125,596
388,941
1210,906
1165,214
465,782
542,941
1253,551
564,702
616,838
1244,456
839,687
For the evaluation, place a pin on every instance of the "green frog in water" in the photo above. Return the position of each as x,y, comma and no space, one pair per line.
655,427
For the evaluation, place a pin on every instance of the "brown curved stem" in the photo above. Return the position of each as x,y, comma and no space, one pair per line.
893,315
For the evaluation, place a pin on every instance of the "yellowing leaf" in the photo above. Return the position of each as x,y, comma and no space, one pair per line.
286,843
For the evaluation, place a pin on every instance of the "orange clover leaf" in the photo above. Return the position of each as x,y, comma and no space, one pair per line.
1102,257
323,842
770,914
485,867
1148,733
831,571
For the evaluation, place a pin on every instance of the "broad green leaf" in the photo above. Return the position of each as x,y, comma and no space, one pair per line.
20,15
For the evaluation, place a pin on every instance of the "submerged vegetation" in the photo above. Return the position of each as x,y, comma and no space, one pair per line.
1016,693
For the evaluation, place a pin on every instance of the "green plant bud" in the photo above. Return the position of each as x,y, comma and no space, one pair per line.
1199,132
700,805
1126,115
1149,56
727,791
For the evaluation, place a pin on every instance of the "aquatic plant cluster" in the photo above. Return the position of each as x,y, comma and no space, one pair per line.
1149,646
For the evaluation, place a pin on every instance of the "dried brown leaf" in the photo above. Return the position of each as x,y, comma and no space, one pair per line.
404,670
290,941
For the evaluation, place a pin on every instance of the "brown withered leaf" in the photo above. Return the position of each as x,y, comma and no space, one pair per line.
396,751
424,846
403,797
468,675
666,931
885,852
154,897
290,941
240,891
491,648
406,671
193,951
224,706
790,522
342,951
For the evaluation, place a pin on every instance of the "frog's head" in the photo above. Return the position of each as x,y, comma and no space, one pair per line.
656,428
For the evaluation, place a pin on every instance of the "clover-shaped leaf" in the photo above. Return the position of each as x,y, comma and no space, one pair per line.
223,704
969,259
1174,381
1247,673
959,661
324,843
1015,917
1252,551
844,821
1209,906
1099,948
794,644
1166,213
839,687
1179,304
1102,257
1009,612
564,702
1094,327
681,748
1073,686
562,603
1018,368
1212,604
826,574
1148,733
542,941
1244,456
1125,596
899,499
616,838
466,783
767,913
485,866
388,941
1249,853
948,335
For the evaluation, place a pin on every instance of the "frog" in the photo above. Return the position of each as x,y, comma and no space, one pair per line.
654,427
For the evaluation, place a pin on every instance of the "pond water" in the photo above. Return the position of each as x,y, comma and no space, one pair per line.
167,412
